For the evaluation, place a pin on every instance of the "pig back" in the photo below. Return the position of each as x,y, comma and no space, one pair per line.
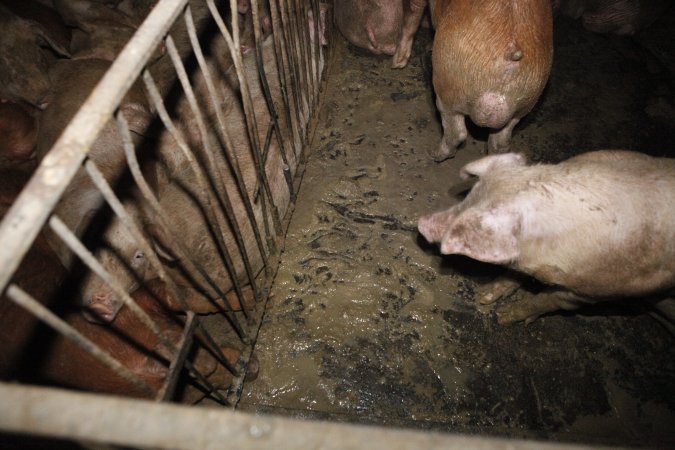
180,193
487,46
602,224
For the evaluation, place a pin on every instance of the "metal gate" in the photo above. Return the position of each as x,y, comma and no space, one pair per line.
271,95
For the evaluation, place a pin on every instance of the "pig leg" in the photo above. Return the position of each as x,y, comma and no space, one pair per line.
454,133
500,288
533,306
498,142
412,15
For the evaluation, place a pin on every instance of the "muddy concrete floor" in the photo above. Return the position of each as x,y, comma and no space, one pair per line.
368,323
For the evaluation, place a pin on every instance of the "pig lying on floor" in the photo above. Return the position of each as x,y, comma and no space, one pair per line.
599,226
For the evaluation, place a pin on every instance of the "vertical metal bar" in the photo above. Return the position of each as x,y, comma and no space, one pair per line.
159,214
158,103
227,205
279,50
21,298
206,192
249,112
290,66
184,345
268,98
296,28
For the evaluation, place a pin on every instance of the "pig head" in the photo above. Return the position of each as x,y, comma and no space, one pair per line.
24,64
584,226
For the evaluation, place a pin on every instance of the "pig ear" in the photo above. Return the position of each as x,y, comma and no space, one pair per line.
484,165
137,116
488,236
52,41
434,226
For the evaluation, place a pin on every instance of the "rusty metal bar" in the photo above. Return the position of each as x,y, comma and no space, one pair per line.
249,112
21,298
279,51
32,207
206,192
268,98
184,345
158,103
140,423
221,189
159,213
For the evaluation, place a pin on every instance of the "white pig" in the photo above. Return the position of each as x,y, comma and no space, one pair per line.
599,226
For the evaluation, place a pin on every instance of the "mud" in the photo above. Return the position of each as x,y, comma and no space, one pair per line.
368,323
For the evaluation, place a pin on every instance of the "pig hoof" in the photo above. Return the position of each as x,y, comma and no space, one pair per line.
399,62
513,313
496,290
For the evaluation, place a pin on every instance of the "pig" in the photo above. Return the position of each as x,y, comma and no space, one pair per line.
55,359
620,17
99,32
18,129
381,26
491,61
597,227
23,63
73,81
132,343
178,193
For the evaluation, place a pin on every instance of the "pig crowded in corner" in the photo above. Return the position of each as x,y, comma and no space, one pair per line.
54,54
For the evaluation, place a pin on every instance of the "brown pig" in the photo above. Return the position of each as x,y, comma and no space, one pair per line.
179,194
73,81
99,32
381,26
68,365
491,60
621,17
23,63
599,226
28,353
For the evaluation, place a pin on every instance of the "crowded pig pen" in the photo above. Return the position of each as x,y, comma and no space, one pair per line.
240,216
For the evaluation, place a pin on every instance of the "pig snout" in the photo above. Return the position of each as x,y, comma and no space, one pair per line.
101,306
